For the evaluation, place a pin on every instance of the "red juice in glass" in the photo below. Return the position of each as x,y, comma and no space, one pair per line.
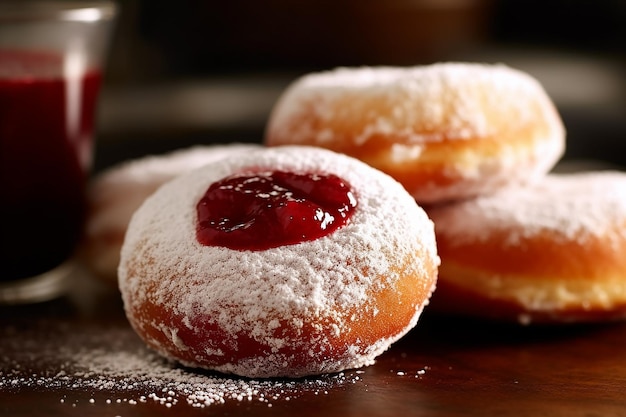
46,136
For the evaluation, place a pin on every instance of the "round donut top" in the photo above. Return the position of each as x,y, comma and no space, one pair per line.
118,191
571,207
421,104
310,278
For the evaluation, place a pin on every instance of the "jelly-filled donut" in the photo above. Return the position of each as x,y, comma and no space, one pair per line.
287,261
445,131
117,192
554,251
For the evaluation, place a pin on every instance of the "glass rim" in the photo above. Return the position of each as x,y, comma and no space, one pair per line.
71,11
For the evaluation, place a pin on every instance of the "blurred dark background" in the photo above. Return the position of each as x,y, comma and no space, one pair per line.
201,71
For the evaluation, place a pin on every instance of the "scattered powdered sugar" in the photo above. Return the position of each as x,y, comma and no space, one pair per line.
110,361
306,287
419,104
571,207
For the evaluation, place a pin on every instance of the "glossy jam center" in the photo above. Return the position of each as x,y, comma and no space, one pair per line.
269,209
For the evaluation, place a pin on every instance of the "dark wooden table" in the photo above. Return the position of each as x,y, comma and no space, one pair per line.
77,356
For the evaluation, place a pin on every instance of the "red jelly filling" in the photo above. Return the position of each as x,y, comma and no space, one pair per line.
269,209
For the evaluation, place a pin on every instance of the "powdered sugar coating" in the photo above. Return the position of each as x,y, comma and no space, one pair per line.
571,207
429,103
548,252
117,192
288,297
446,131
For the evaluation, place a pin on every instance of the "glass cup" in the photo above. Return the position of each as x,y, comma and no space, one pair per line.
51,62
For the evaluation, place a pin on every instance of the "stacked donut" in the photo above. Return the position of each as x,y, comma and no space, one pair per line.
475,144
